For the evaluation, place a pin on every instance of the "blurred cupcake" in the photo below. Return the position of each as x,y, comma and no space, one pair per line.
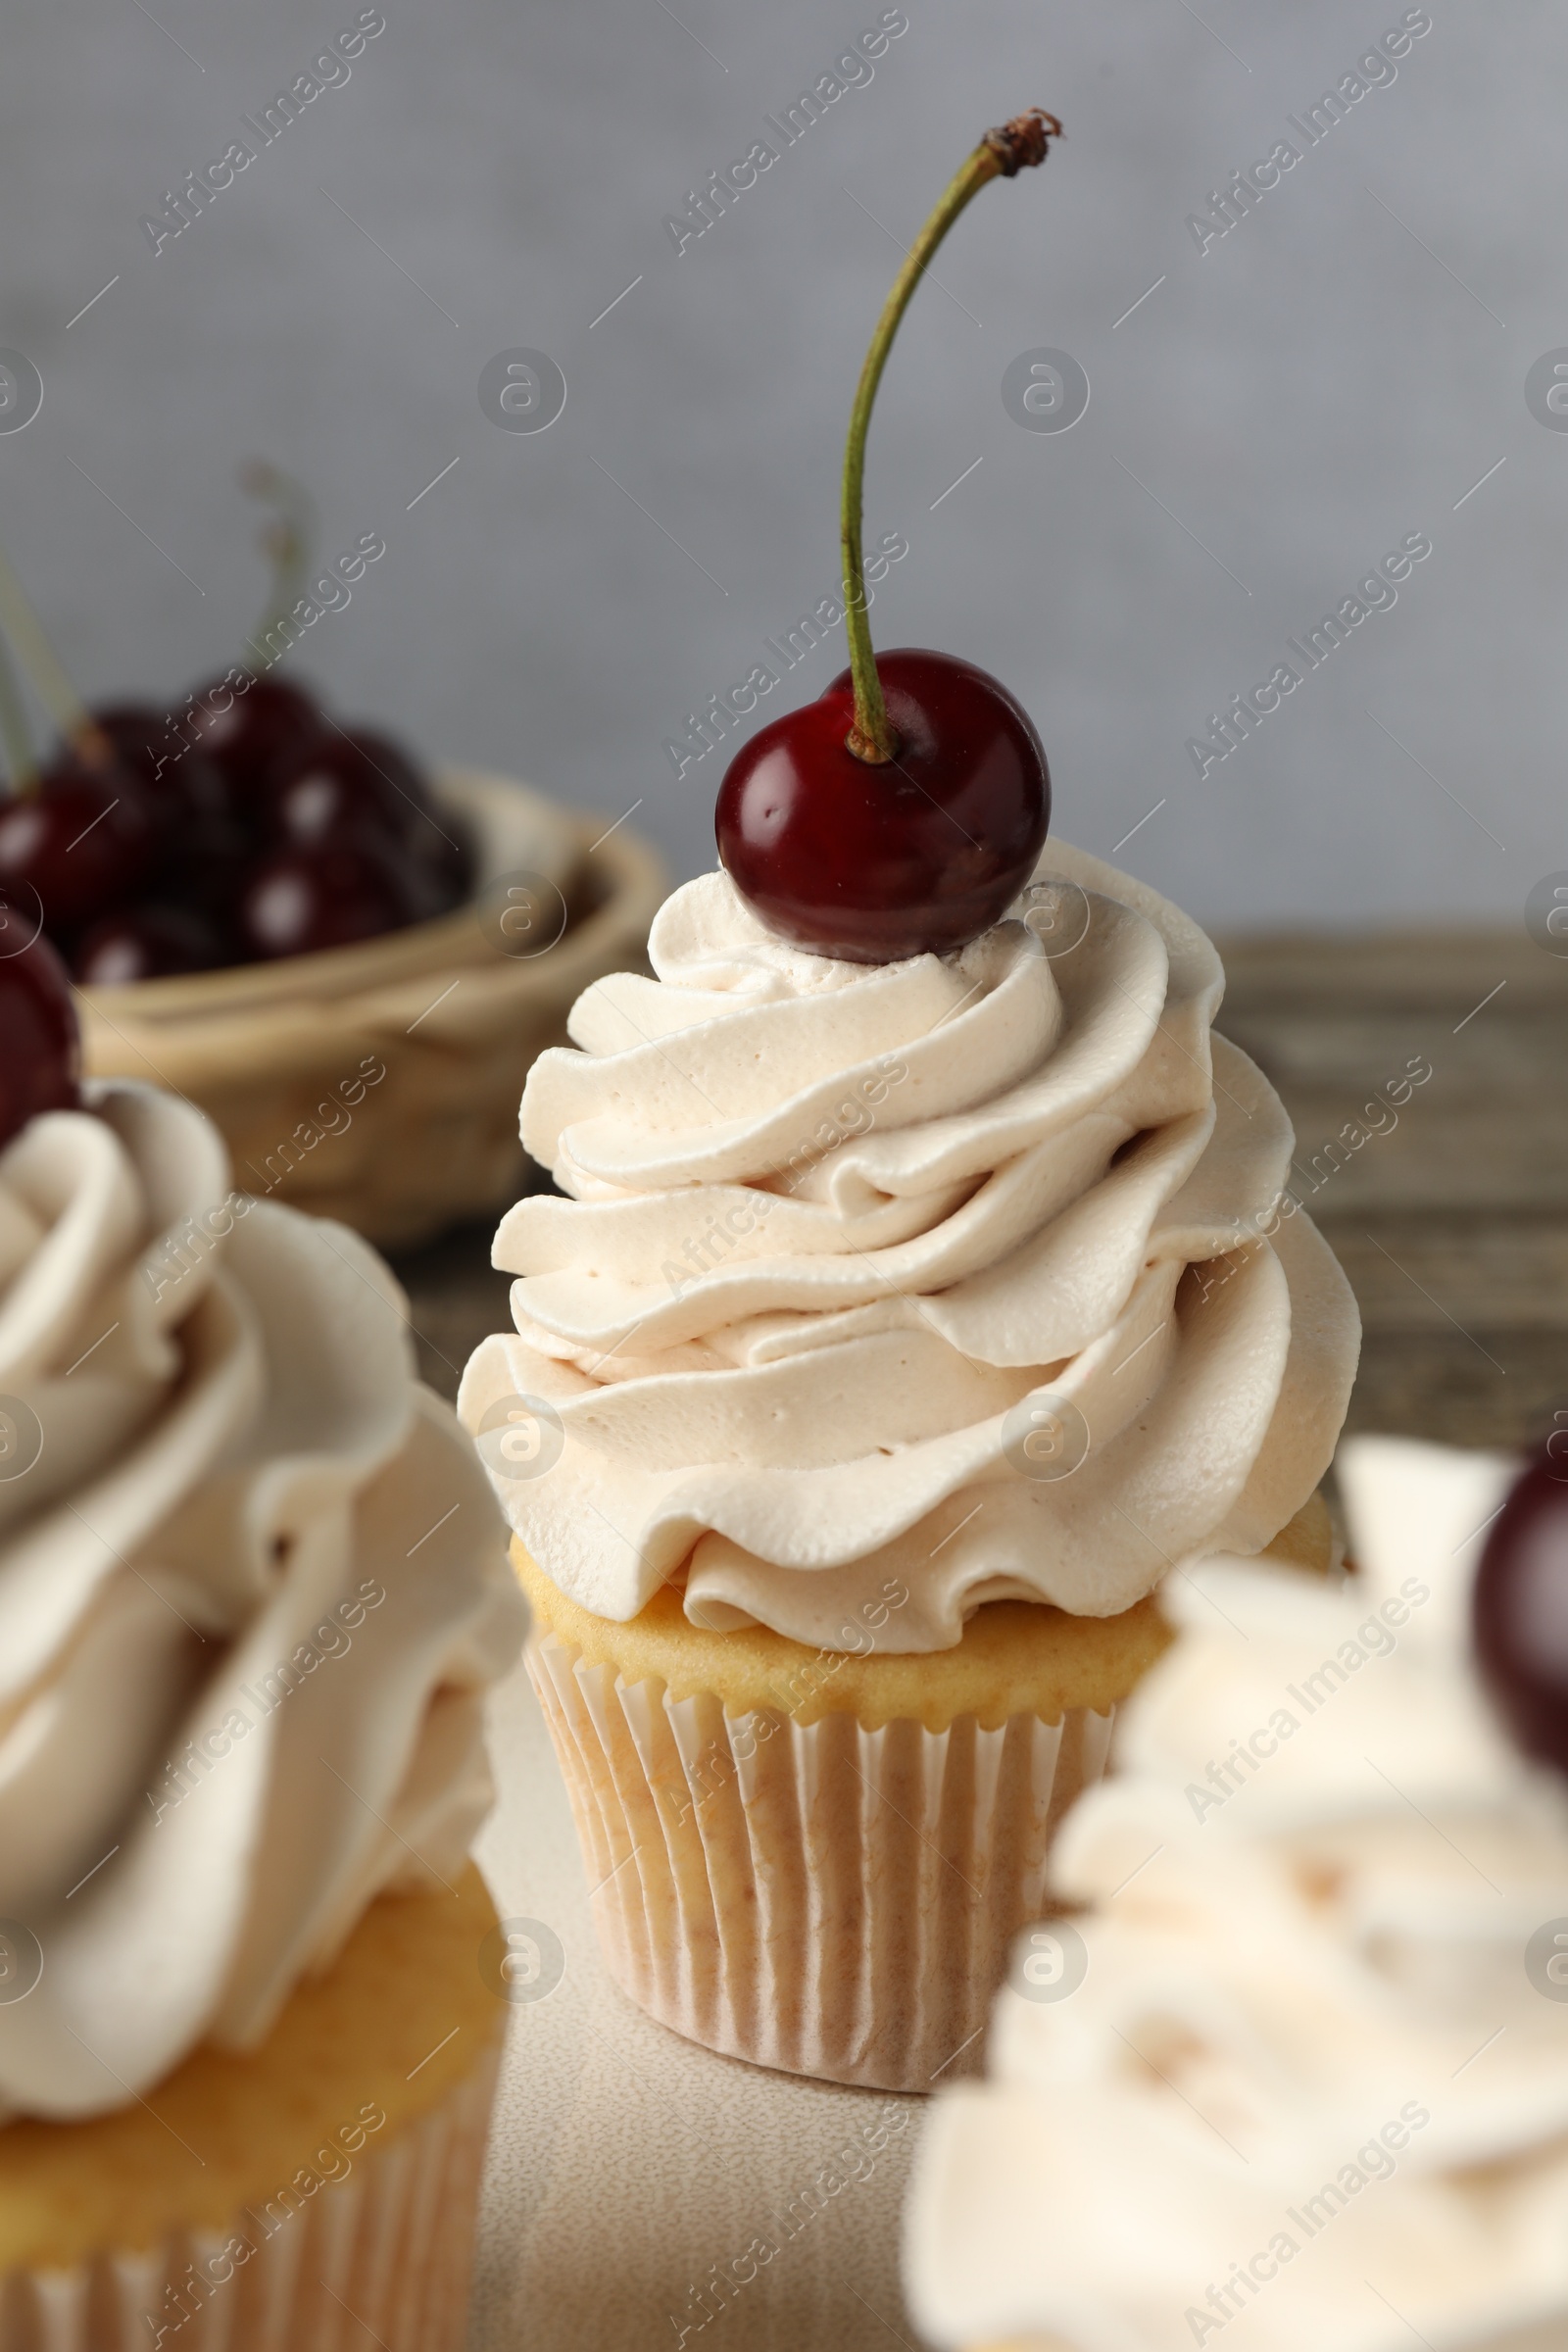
906,1326
1300,2077
252,1591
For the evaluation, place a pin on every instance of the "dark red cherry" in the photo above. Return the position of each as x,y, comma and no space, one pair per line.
136,730
1521,1607
919,837
147,943
39,1046
207,866
213,841
877,862
339,782
82,841
247,725
350,780
181,786
327,896
400,777
205,822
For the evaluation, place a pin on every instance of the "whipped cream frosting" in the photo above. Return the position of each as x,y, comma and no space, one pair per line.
253,1587
831,1226
1312,2089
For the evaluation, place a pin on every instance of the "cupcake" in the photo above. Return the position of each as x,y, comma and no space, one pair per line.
1297,2074
252,1593
903,1327
924,1292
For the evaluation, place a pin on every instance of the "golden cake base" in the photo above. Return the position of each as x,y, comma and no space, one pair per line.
1014,1657
820,1862
251,2198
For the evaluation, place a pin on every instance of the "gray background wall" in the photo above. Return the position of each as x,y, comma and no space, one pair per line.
1332,374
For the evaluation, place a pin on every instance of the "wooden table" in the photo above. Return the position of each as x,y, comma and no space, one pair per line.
1452,1220
1452,1225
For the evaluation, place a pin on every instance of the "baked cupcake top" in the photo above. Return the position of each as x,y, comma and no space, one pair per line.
974,1271
1300,2077
252,1589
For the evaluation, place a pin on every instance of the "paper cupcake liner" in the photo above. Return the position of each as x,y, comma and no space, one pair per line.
827,1899
382,2256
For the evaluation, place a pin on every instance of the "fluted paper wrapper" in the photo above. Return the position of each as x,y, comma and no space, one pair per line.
380,2257
827,1899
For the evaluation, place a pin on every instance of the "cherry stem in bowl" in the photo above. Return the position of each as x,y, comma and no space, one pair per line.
1001,154
40,663
286,540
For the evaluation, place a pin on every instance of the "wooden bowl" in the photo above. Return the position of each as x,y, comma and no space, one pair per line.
379,1083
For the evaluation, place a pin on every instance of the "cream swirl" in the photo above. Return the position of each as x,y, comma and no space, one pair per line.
1313,2088
833,1226
251,1590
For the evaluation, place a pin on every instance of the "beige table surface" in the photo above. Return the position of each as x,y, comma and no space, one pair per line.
627,2164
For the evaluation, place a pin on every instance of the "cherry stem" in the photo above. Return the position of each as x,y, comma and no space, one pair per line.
1000,153
41,665
286,544
21,758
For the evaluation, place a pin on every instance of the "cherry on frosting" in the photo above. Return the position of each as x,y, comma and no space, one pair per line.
876,864
1521,1608
39,1042
901,812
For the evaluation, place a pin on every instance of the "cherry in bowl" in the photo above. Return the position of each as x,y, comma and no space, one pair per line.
329,894
339,782
151,941
248,728
80,842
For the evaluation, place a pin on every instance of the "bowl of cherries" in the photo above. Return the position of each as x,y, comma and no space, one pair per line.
348,958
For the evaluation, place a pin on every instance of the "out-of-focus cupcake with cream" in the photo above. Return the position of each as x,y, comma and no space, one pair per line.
1296,2073
253,1590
